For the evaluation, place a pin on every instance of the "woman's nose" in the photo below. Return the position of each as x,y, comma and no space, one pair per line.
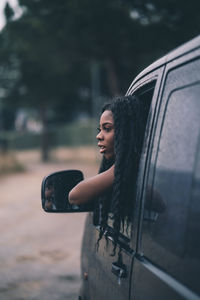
99,136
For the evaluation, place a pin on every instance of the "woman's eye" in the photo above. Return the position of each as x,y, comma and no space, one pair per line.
107,129
98,129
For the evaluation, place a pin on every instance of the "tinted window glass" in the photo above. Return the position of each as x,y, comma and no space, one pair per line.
174,167
172,207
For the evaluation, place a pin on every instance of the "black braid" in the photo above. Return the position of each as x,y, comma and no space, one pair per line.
103,203
128,136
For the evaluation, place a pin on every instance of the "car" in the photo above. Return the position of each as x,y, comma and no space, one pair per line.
158,256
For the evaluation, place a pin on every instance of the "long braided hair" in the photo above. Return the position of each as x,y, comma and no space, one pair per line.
128,137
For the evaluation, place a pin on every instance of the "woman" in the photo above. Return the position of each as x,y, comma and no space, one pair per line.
120,140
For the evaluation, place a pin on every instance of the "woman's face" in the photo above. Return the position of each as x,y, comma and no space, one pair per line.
105,136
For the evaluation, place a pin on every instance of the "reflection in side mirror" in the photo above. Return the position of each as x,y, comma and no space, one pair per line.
55,190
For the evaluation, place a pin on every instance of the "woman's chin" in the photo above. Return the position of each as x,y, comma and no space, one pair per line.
108,156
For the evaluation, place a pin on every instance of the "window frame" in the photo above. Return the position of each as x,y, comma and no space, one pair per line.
153,139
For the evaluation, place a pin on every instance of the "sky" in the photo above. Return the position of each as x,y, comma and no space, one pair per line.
13,4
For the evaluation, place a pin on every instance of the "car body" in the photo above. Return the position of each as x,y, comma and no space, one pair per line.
161,255
158,257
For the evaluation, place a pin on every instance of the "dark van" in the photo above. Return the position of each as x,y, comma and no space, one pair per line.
158,257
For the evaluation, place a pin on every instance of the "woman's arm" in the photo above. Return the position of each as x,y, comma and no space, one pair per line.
89,189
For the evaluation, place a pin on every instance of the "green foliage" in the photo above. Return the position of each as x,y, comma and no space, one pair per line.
9,164
9,13
54,43
73,134
47,55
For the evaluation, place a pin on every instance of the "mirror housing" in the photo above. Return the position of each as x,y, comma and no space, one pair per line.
55,191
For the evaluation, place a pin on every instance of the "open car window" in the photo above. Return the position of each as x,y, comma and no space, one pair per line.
145,95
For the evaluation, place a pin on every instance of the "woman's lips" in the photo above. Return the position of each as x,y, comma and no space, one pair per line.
102,148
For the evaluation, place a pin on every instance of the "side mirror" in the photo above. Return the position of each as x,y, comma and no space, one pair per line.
55,190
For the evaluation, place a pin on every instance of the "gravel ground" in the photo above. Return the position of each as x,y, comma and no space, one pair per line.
39,252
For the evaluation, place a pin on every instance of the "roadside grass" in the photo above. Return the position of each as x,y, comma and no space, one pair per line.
19,161
83,154
10,164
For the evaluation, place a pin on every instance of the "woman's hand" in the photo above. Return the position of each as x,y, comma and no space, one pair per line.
91,188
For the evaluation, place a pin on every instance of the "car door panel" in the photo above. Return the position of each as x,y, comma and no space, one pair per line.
153,283
162,236
99,264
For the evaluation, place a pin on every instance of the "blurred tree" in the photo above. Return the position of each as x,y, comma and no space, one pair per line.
54,45
49,52
8,72
44,80
8,11
172,22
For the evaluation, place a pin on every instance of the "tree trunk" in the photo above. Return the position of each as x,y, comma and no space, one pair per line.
45,138
112,78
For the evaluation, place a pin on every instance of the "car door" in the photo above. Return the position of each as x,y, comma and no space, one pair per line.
167,262
107,276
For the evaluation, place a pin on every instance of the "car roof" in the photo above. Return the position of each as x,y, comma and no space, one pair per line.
174,54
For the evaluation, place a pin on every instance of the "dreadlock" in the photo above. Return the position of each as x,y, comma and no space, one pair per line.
128,136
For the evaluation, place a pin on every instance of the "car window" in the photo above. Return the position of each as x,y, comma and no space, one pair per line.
174,168
171,227
145,95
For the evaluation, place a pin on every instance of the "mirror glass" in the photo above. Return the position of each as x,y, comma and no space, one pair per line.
55,190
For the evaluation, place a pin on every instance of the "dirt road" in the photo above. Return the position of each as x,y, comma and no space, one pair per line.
39,252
